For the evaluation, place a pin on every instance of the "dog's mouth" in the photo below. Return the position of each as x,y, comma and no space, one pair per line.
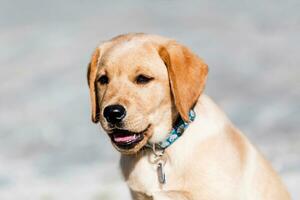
125,139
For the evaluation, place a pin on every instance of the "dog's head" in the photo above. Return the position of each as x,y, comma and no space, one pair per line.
139,85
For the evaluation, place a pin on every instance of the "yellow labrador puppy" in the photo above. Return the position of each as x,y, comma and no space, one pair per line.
175,143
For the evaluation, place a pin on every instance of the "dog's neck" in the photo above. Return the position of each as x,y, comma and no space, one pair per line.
177,130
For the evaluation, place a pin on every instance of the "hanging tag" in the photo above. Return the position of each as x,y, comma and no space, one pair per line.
161,173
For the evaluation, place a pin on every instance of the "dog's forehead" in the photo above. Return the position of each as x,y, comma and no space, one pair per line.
131,55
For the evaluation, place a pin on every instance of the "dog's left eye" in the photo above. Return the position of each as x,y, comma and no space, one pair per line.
142,79
103,80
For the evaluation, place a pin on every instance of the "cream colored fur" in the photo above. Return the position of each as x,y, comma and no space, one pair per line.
212,160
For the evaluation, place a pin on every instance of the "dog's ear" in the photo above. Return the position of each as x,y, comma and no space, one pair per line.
91,76
187,75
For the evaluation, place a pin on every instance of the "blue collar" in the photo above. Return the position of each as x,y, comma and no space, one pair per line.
176,132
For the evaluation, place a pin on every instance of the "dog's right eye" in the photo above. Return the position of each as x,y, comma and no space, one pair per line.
103,80
142,79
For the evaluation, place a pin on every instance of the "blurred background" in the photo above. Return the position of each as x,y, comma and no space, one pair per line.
49,148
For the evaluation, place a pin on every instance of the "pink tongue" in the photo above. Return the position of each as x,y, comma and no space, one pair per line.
125,138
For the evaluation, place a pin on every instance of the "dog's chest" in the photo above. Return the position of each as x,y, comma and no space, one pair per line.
144,175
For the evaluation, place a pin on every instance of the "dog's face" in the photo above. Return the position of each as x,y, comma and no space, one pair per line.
133,95
135,87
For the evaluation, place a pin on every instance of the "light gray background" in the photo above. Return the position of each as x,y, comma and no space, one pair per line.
49,148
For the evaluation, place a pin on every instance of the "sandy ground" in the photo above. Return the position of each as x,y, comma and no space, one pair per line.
50,150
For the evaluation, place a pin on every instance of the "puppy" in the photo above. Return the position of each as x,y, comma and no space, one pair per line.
175,143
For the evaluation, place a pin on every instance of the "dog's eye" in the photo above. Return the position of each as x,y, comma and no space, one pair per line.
142,79
103,80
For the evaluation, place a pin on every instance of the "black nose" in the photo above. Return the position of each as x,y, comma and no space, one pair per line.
114,113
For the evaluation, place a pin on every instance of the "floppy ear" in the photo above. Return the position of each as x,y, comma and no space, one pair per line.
91,76
187,75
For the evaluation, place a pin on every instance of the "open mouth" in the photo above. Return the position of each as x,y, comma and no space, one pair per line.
125,139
